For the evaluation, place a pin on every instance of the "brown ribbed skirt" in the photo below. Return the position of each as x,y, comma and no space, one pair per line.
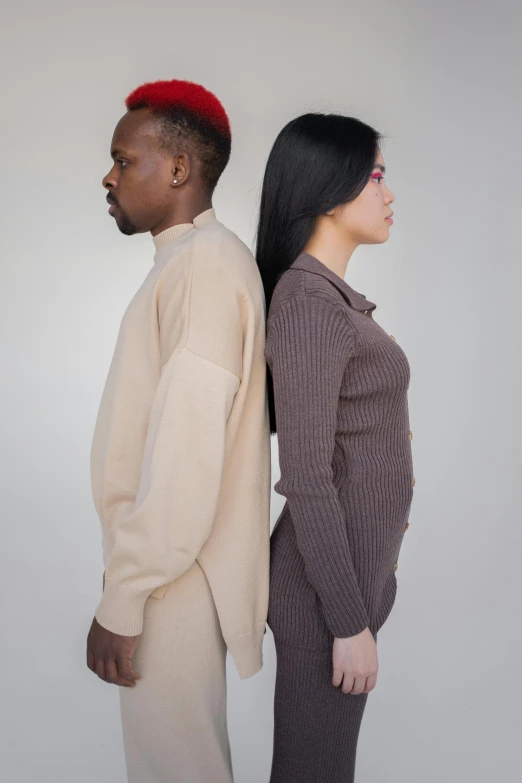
316,725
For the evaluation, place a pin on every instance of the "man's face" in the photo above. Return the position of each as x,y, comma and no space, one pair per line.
140,182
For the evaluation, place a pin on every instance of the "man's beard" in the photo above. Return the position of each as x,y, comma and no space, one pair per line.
125,224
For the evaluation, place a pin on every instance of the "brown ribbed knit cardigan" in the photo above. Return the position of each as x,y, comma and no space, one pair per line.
340,388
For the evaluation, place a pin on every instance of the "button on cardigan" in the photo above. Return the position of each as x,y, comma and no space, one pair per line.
340,389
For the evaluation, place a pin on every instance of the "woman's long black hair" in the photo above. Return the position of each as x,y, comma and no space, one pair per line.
318,161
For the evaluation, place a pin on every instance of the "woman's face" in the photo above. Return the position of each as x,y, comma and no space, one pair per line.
367,220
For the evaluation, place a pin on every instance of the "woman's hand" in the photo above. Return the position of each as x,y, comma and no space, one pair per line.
355,663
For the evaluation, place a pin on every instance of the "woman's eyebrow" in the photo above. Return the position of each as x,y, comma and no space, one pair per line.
380,166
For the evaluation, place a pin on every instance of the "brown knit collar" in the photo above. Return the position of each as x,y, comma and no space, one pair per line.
312,264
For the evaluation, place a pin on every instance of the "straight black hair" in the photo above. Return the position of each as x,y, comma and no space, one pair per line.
318,162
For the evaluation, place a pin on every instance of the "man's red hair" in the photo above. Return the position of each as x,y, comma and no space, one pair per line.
182,95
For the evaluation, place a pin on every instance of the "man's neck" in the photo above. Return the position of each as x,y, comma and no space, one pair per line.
184,214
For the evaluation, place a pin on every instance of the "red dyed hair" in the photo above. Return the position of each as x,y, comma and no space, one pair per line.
186,96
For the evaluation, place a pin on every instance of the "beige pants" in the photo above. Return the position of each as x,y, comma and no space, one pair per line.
174,720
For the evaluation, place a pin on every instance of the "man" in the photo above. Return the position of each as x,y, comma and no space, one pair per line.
181,456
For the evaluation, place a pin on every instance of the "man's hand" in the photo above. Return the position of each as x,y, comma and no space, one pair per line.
109,655
355,663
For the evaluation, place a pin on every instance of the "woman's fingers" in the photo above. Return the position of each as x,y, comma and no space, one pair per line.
348,682
359,684
337,677
355,658
371,682
353,685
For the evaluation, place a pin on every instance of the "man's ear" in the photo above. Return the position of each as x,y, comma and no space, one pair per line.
180,169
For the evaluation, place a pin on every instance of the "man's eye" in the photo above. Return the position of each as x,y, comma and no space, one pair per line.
122,162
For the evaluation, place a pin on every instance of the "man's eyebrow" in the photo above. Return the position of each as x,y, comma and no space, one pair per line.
115,152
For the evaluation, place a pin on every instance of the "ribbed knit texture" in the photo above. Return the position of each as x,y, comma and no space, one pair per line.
340,387
316,726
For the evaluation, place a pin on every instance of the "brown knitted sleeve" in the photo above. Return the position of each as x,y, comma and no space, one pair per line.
309,342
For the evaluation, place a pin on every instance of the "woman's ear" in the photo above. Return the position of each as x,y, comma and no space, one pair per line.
331,211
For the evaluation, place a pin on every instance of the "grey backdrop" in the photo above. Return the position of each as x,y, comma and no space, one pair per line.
442,82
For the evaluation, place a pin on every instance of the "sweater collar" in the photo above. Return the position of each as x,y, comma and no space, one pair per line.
175,232
311,264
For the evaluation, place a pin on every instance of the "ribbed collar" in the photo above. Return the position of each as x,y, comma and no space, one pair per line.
175,232
312,264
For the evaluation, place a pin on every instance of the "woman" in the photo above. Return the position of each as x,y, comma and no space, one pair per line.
338,394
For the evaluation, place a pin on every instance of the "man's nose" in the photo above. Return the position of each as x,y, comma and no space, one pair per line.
109,181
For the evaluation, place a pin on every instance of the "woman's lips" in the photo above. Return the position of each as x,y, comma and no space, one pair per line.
389,220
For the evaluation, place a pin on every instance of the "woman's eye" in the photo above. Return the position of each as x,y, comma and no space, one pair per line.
378,178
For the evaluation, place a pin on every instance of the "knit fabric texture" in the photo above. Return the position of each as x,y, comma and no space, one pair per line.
316,725
340,388
180,460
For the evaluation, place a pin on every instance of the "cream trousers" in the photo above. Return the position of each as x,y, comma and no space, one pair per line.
174,721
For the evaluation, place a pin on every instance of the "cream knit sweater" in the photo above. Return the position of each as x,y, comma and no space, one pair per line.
180,460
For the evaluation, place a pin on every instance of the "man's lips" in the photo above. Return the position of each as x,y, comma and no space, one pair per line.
112,209
113,205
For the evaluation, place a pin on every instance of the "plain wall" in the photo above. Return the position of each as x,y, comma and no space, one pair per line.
441,81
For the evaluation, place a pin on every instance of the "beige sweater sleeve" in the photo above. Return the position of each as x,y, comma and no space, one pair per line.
183,458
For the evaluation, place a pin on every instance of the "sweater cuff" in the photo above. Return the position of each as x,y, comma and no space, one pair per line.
353,620
121,609
352,628
247,651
